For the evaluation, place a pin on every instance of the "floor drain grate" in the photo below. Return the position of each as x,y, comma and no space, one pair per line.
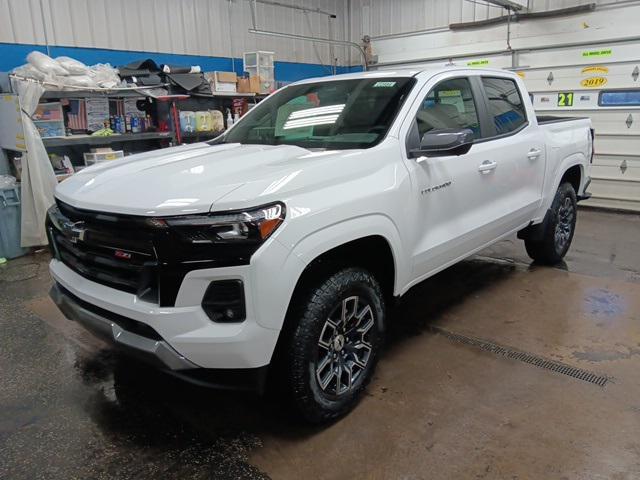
525,357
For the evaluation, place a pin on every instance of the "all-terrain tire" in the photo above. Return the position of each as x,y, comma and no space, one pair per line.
556,238
341,318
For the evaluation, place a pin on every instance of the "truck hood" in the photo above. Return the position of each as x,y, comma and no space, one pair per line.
196,178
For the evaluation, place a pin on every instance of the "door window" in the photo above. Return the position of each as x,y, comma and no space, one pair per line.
505,104
449,104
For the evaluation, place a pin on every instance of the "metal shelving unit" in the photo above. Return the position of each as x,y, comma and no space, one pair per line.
95,140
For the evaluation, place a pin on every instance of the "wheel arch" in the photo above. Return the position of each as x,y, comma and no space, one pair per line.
366,251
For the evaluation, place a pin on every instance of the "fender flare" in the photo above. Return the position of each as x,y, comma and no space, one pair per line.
321,241
567,163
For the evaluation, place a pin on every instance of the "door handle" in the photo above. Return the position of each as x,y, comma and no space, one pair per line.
487,166
534,153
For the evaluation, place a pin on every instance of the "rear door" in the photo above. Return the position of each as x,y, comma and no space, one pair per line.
516,143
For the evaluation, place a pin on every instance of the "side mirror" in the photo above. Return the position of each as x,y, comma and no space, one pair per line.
440,143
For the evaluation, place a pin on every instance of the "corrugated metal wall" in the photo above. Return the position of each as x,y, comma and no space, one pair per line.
384,17
194,27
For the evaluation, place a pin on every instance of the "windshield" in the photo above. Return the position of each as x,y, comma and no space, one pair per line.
337,114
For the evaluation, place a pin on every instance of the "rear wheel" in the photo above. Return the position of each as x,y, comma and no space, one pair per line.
556,238
335,344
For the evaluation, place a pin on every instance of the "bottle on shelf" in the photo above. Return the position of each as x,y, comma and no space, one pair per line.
229,119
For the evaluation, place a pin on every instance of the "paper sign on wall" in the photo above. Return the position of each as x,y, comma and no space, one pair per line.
597,53
596,69
593,82
477,63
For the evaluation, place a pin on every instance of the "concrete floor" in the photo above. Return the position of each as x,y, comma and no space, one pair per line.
437,409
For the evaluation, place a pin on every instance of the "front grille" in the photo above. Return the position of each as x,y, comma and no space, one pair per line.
132,254
108,249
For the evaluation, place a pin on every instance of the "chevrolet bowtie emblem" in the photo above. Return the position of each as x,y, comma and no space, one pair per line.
75,231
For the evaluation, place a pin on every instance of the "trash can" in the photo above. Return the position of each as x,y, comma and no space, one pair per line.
10,223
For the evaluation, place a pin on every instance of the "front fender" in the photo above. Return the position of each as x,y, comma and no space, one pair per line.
321,241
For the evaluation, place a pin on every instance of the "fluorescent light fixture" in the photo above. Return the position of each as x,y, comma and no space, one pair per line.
312,112
308,122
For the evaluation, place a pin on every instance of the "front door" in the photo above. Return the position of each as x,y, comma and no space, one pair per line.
455,197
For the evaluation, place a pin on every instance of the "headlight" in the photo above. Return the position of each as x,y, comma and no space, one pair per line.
252,226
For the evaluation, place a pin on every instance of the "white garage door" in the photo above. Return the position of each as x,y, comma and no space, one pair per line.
602,83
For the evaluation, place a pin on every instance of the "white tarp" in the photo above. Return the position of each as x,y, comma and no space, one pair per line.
38,178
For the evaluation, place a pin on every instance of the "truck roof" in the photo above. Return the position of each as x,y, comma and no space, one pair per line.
404,72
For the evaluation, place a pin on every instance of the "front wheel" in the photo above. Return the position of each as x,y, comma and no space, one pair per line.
335,345
556,238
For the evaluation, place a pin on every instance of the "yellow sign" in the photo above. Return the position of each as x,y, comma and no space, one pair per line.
477,63
595,70
449,93
597,53
593,82
520,74
565,99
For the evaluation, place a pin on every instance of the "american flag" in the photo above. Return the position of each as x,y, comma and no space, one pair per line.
77,115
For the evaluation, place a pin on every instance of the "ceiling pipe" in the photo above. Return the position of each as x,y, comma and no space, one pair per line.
256,31
294,7
314,39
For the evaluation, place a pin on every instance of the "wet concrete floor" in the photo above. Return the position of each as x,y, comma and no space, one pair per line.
437,409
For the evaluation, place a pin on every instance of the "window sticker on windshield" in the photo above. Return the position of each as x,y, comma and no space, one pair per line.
384,84
449,93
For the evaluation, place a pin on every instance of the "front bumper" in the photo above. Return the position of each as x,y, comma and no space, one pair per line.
185,328
147,346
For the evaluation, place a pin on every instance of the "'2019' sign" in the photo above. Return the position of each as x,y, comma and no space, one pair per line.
593,82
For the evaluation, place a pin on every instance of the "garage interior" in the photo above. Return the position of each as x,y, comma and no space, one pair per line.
495,368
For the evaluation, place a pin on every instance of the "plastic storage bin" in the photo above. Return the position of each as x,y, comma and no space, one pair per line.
10,223
98,157
261,68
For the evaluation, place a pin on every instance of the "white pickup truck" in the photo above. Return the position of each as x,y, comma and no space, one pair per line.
279,245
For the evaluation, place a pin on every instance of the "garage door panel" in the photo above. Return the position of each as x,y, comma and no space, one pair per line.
615,193
574,82
624,122
614,172
617,144
621,162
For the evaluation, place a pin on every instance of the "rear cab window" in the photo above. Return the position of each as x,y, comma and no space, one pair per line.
506,108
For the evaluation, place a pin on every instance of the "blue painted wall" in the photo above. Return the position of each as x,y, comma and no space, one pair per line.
13,55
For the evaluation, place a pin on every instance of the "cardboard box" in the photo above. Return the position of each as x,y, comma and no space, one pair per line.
222,81
243,85
254,84
224,87
226,77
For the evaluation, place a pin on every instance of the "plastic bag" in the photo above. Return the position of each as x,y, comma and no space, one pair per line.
73,66
29,71
7,181
104,75
79,81
46,64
